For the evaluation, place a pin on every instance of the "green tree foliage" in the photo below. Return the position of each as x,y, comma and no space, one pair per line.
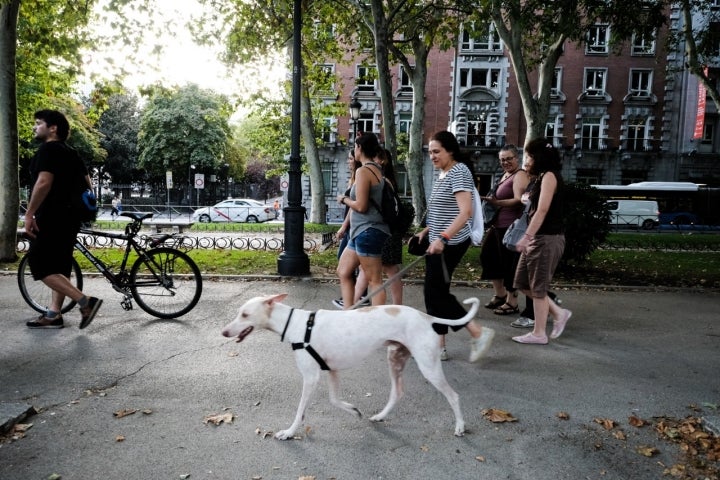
180,128
119,125
587,222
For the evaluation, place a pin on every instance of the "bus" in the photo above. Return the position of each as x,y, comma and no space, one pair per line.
680,203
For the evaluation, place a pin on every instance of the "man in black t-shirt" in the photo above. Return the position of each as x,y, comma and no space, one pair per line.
57,174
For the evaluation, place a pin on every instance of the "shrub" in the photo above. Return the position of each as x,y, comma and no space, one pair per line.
587,222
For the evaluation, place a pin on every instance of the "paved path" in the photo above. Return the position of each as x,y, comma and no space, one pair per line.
624,353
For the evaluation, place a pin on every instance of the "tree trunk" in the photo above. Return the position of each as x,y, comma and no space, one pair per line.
416,157
317,186
9,200
691,53
382,60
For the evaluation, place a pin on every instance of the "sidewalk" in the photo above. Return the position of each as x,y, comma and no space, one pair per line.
624,353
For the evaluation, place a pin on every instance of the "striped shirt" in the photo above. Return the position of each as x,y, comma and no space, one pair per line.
443,207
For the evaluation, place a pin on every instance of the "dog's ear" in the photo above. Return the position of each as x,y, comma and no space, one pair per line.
276,298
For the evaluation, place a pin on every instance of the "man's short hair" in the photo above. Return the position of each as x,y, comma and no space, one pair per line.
56,119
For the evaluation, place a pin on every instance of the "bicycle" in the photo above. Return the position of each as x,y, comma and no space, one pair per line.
164,281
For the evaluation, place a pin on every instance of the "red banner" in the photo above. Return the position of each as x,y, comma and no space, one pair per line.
700,118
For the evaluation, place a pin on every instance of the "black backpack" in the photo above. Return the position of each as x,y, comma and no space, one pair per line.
393,211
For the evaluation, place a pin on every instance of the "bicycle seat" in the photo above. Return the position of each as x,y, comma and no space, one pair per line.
137,216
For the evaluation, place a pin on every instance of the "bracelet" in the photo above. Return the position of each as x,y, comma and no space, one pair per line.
444,238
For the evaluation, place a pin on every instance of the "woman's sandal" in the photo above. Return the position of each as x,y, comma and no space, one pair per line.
506,309
495,302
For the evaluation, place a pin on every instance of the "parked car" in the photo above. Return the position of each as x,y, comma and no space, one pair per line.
235,210
679,218
634,213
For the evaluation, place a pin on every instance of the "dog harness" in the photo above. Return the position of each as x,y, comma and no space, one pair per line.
306,343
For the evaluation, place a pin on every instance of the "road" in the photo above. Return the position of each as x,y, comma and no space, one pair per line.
625,352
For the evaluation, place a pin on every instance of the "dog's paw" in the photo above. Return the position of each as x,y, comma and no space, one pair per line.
377,418
459,430
284,434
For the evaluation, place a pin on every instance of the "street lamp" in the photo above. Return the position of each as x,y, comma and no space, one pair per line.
293,260
355,107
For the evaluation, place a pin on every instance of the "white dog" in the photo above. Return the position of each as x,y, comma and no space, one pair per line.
334,340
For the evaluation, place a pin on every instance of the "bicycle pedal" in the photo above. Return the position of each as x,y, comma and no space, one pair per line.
126,305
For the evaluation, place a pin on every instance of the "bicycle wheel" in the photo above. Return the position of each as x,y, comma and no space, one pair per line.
37,294
166,283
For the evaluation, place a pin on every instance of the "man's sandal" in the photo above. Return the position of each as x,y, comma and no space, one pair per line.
506,309
495,302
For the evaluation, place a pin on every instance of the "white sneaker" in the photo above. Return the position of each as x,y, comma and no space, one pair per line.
338,302
479,346
443,354
523,322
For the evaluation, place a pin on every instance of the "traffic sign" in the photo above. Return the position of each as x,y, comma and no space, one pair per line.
199,180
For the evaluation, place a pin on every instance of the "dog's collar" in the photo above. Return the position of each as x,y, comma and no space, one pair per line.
287,323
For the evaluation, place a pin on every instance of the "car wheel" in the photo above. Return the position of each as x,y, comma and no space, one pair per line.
204,218
648,225
251,219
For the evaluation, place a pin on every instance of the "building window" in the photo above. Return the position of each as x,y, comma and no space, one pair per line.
366,122
591,128
595,79
403,186
327,174
637,135
588,176
479,77
708,133
556,86
404,122
598,39
404,83
366,76
327,130
640,83
552,131
483,37
326,77
643,44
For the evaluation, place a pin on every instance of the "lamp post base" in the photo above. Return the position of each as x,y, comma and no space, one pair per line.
294,261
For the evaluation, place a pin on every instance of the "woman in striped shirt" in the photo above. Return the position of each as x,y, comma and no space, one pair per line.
448,216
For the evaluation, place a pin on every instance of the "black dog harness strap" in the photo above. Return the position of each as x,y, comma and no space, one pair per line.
306,344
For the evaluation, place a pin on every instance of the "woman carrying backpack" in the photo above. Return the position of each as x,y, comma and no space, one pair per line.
368,231
449,212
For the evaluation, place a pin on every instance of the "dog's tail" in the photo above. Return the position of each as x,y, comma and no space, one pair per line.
462,321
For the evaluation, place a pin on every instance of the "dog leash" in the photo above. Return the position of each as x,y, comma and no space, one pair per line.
388,281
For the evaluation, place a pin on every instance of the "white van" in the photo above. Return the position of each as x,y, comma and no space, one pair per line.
634,213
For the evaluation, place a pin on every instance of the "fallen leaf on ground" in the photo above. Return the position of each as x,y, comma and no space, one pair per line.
496,415
480,458
125,412
217,419
120,438
607,423
636,421
563,416
647,451
620,435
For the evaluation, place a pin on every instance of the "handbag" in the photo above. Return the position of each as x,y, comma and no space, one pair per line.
490,211
516,231
418,246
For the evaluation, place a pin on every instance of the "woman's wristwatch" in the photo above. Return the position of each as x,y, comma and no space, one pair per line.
444,238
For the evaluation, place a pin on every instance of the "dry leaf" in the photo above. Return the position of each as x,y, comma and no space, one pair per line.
54,476
125,412
184,476
120,438
605,422
22,427
496,415
636,422
307,477
480,458
233,354
307,429
219,418
620,435
647,451
147,411
563,416
425,448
